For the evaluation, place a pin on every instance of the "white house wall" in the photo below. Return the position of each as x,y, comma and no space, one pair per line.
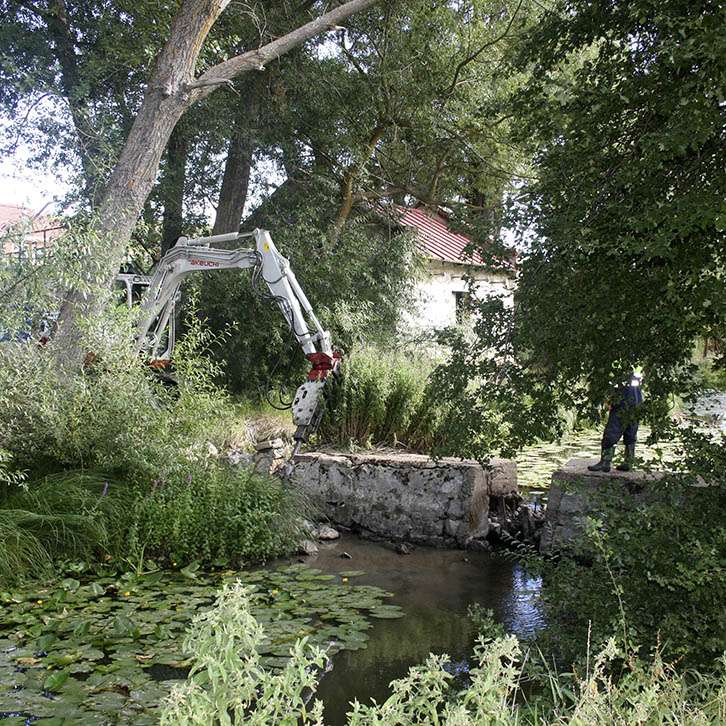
436,293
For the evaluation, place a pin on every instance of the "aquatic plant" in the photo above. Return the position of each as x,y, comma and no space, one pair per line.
109,647
214,514
644,692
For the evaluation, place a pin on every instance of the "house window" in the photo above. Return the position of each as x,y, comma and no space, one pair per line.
461,305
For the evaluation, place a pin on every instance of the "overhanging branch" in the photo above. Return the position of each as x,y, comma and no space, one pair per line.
227,70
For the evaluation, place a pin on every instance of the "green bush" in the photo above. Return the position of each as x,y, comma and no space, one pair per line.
658,566
358,287
169,497
227,682
214,515
382,399
111,414
711,375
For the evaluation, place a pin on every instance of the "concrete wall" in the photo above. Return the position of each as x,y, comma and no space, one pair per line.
405,497
571,499
437,300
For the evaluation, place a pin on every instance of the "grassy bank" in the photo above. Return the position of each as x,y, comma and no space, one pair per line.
107,461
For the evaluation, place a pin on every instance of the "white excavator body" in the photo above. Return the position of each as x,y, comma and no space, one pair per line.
155,334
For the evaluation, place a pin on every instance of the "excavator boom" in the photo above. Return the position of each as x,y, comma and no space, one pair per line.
272,277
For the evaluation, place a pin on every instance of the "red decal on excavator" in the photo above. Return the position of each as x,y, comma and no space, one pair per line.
204,263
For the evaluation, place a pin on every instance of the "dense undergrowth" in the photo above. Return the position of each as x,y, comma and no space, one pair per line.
228,682
657,565
107,461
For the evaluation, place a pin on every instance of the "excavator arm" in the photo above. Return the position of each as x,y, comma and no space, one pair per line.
271,275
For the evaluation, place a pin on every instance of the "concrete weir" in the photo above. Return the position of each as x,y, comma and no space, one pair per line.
405,497
572,498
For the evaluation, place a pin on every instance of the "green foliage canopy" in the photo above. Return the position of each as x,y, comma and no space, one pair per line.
625,103
620,221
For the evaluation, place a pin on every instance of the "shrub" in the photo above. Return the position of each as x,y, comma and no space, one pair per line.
214,515
382,399
227,683
112,414
359,286
658,567
8,475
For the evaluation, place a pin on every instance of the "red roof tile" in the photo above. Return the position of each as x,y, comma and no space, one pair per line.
11,214
41,232
434,237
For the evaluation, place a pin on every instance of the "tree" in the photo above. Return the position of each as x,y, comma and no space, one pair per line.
402,109
71,79
629,257
388,113
622,218
171,90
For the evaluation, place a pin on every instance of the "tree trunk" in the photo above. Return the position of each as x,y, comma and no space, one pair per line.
235,183
170,92
173,188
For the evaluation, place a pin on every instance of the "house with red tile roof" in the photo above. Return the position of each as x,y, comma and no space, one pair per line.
24,234
449,261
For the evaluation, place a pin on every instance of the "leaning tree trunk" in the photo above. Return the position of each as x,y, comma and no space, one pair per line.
171,90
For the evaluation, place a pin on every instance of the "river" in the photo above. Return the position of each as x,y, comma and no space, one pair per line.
435,589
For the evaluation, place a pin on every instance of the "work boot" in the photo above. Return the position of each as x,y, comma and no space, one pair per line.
629,460
606,458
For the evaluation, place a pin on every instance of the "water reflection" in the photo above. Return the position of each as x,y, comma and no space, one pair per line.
435,589
524,614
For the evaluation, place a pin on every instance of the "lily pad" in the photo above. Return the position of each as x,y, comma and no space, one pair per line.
55,680
115,644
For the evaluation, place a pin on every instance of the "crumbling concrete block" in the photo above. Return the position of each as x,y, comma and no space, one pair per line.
572,498
404,497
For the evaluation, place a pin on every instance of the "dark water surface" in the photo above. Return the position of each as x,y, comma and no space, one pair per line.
435,588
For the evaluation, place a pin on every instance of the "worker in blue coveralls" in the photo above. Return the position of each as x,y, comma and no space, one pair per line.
622,421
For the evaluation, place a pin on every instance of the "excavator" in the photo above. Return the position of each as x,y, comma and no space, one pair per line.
272,278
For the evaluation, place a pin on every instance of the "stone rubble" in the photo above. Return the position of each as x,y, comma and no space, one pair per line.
326,533
308,547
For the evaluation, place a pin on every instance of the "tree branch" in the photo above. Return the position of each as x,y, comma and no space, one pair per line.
28,5
473,56
256,59
349,178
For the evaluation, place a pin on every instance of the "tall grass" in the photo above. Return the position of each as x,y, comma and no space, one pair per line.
382,399
212,514
69,516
